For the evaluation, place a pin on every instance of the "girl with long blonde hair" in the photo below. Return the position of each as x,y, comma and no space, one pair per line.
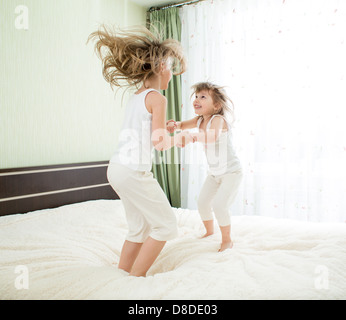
139,58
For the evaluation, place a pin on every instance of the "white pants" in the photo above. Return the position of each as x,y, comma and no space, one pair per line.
148,212
218,194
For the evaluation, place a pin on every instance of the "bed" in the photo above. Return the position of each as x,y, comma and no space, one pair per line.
71,251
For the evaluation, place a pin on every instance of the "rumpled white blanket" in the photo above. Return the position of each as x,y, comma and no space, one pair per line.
72,253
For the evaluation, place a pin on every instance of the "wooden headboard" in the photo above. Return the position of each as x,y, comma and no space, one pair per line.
34,188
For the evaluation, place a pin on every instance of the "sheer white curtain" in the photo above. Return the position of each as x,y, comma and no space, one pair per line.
284,66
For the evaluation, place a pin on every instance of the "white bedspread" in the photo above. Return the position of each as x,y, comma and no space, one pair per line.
72,253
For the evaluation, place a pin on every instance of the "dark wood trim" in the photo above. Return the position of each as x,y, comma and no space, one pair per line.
22,191
56,200
55,166
23,184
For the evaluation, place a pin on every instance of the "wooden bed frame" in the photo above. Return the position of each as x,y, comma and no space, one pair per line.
33,188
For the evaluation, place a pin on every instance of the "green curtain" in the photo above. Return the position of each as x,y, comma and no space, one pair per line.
167,170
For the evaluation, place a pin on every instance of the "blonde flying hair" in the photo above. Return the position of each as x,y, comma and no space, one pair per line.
131,56
220,98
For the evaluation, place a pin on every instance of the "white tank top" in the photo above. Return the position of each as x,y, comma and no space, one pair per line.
221,156
135,147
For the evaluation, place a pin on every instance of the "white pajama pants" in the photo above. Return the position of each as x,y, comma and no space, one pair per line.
148,212
218,194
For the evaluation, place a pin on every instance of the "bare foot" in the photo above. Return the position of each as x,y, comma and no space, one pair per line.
226,245
207,234
209,227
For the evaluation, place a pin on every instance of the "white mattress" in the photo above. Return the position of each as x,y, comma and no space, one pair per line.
72,253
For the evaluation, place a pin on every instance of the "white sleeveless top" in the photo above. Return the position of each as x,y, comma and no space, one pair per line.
221,156
135,147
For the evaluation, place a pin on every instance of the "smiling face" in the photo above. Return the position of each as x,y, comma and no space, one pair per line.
204,104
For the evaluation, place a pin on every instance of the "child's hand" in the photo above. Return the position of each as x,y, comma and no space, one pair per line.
183,139
171,126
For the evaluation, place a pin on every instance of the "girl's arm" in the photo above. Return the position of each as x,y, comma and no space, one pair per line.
181,125
157,104
187,124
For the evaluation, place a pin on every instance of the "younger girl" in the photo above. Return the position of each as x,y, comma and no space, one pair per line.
211,104
139,58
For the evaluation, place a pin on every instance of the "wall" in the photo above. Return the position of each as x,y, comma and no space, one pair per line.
55,106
